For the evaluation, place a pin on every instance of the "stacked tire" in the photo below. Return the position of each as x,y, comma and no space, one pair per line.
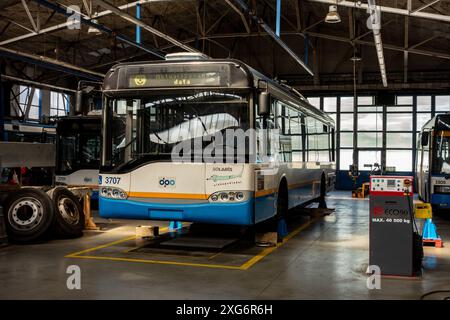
31,214
69,215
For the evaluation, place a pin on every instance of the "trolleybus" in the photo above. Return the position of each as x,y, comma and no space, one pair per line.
78,151
433,162
193,102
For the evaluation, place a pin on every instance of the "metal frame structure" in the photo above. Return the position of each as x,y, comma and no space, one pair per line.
251,20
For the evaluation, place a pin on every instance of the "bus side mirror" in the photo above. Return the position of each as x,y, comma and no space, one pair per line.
424,138
264,103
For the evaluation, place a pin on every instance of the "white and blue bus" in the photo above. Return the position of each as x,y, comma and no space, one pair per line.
191,101
78,151
433,162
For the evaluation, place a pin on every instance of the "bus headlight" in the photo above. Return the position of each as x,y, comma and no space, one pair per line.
228,196
113,193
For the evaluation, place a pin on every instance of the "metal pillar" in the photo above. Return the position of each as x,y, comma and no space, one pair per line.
2,108
277,30
138,28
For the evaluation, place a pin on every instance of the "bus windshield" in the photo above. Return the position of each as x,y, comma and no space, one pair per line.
79,151
441,165
154,124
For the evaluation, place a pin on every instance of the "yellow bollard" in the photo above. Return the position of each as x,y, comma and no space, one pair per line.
423,211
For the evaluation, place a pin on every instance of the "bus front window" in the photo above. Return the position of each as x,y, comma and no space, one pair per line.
442,153
154,124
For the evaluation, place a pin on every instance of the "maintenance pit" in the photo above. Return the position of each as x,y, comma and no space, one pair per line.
321,258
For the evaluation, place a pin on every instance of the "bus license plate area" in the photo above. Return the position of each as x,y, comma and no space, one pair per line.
165,214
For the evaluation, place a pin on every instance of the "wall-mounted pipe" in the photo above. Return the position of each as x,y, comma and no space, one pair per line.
375,21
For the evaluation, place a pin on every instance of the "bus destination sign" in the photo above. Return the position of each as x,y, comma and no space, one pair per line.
174,79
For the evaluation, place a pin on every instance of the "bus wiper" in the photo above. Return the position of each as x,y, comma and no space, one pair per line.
159,138
203,124
201,121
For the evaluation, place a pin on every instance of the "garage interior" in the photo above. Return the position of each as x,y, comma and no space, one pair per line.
380,86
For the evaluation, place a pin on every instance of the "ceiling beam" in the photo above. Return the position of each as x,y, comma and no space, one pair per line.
50,63
30,17
71,22
337,38
239,12
385,9
270,32
102,28
143,25
424,6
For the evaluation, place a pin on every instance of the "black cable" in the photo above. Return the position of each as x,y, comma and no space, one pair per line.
411,211
434,292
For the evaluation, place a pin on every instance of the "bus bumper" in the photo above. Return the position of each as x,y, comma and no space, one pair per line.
441,200
216,213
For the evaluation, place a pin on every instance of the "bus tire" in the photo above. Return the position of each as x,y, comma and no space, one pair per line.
323,192
282,202
69,216
29,213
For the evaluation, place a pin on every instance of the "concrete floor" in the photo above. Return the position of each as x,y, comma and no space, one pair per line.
325,260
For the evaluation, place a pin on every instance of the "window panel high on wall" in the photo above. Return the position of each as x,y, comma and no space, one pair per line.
59,104
395,125
443,103
26,102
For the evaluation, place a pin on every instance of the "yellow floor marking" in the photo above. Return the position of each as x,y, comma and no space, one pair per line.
72,255
268,251
245,266
161,262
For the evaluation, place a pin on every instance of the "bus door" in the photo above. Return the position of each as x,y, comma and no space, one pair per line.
267,171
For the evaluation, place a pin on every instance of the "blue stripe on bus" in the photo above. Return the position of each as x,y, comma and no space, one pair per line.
219,213
441,200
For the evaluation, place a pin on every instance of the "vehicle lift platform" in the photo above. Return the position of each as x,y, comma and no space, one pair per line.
201,245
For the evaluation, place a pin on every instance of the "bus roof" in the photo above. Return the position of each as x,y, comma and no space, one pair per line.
438,122
134,77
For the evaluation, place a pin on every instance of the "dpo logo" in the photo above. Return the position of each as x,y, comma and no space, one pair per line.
167,182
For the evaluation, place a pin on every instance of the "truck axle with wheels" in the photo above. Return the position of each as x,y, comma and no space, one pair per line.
30,213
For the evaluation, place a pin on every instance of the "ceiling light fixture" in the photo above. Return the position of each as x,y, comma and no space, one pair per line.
333,15
92,29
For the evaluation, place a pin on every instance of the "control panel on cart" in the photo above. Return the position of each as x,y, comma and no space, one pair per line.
391,184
